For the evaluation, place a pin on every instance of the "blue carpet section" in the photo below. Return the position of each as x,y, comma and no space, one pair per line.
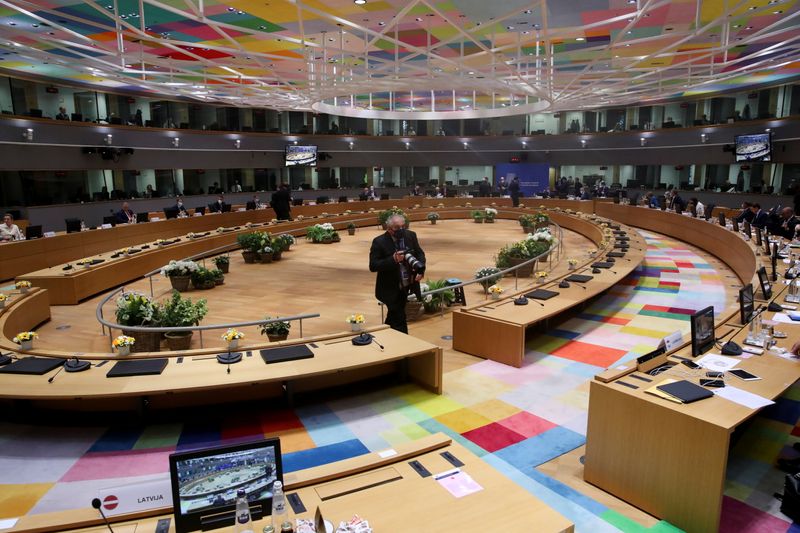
323,425
532,452
434,426
198,436
322,455
565,491
784,410
563,334
116,440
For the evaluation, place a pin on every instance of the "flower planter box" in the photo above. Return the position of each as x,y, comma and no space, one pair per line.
414,311
145,341
433,221
219,281
489,221
351,231
224,267
275,337
249,257
124,350
276,256
180,283
478,220
266,258
522,272
207,285
327,240
179,340
26,345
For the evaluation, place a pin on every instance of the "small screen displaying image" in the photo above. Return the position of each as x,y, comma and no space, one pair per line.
297,155
212,481
756,147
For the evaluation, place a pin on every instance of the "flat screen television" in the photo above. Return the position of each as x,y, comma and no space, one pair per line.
754,147
205,482
763,280
746,303
297,156
702,331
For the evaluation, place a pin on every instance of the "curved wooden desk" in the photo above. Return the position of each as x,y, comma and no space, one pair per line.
496,330
383,489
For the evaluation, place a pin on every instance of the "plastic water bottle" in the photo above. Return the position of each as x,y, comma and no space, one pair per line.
279,512
243,522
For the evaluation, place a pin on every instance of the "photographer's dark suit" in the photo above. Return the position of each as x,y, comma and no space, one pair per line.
281,200
388,284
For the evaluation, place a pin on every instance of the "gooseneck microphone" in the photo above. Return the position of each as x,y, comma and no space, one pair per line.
97,504
53,377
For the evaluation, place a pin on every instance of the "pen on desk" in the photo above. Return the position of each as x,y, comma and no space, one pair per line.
448,473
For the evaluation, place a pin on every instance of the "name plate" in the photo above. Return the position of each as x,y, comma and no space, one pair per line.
672,341
106,226
49,234
155,219
198,214
136,497
242,209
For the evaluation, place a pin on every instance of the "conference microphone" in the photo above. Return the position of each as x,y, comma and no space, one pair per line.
376,342
97,504
54,377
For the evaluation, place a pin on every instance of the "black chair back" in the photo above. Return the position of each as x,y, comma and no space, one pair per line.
73,225
171,212
110,220
33,232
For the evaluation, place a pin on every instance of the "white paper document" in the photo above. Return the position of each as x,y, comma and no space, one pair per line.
8,523
783,318
742,397
716,362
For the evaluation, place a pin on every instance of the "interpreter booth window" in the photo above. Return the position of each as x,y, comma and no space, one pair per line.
353,177
47,187
165,182
6,105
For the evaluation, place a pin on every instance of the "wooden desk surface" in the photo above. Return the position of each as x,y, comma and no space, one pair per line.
204,373
407,503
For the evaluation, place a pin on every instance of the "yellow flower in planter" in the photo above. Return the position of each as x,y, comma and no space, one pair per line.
25,336
541,274
496,289
123,340
23,284
3,297
232,334
355,319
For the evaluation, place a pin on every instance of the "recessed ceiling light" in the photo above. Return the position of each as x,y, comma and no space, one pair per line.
381,24
580,39
509,27
737,26
777,12
359,2
749,28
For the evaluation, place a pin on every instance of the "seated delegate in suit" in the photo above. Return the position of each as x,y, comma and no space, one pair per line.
760,217
745,215
788,224
179,207
216,207
395,277
126,215
8,230
699,208
675,202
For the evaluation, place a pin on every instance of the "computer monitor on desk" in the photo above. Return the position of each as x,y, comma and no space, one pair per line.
702,331
758,237
746,303
748,230
763,280
721,219
33,232
735,225
205,483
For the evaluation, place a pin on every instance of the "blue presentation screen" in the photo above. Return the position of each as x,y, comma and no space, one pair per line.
534,178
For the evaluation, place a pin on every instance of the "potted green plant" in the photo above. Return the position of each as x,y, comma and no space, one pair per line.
433,217
335,236
179,274
478,216
527,222
138,310
223,263
252,244
434,302
351,229
515,254
541,220
276,331
288,241
490,275
219,276
320,233
203,279
277,246
266,254
178,312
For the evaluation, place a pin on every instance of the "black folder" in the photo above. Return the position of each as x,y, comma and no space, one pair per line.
615,254
141,367
686,391
602,264
541,294
622,245
35,366
97,261
286,353
579,278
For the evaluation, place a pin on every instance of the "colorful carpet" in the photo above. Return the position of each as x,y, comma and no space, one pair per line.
515,419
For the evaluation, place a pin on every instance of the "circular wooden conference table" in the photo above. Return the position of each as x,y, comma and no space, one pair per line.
189,376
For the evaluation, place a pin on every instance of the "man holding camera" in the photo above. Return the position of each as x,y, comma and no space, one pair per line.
400,263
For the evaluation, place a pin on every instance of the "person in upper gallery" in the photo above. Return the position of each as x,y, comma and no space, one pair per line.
760,217
485,188
180,207
745,215
396,275
126,215
788,223
217,206
149,192
8,230
513,190
700,209
281,202
237,187
62,114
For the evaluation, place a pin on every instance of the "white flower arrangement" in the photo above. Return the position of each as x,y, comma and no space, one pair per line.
543,235
326,226
490,211
179,268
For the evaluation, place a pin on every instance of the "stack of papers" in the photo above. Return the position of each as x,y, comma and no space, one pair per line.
742,397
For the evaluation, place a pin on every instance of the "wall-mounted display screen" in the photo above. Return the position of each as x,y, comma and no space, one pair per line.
755,147
297,156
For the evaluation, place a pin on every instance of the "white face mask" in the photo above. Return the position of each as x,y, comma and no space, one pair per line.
180,203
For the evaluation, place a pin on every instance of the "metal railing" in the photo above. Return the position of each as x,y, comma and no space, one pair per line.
200,329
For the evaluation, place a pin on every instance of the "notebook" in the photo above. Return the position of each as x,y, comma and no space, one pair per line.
602,264
685,391
35,366
142,367
541,294
286,353
579,278
621,245
615,254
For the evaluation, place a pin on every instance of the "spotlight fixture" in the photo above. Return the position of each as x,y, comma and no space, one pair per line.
408,145
704,138
295,142
176,142
583,143
466,145
359,2
524,144
643,141
237,143
766,130
27,134
109,139
350,144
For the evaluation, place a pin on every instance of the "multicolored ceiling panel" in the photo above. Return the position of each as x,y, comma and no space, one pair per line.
294,54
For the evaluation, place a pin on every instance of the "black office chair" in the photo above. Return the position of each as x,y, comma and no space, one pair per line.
251,206
171,212
110,220
297,201
343,199
201,210
142,217
322,199
115,120
77,117
33,232
73,225
226,208
384,196
35,113
709,211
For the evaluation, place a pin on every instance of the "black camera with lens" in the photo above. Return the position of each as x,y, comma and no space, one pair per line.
416,266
